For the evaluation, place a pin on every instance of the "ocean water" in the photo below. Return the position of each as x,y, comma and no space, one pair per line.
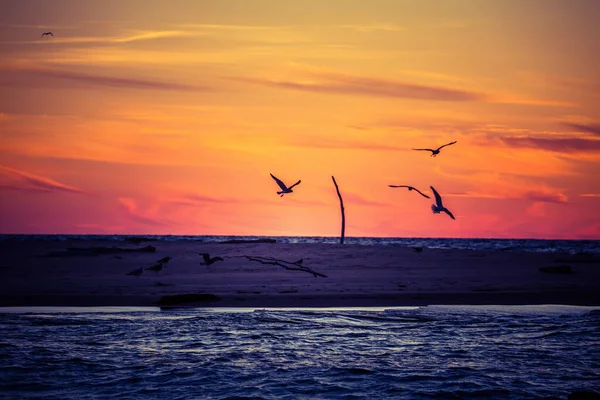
436,352
537,245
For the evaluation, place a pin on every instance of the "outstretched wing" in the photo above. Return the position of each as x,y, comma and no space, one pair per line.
438,199
297,183
447,144
398,186
424,149
449,213
421,193
281,184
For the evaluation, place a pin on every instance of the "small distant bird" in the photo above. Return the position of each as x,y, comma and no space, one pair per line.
438,207
156,267
284,188
409,188
165,260
47,33
136,272
418,249
208,260
437,151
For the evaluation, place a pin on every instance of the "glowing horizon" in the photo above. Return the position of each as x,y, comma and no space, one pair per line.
138,117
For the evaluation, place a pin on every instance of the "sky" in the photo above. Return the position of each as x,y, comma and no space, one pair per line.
167,117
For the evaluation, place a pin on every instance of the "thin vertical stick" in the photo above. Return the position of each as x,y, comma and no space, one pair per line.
342,208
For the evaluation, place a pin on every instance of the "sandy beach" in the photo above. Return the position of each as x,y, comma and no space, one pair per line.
87,273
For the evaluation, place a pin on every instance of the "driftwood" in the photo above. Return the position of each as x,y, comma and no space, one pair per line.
291,266
342,208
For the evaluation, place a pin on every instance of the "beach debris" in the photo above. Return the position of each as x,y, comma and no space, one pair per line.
208,260
161,284
409,189
248,241
175,299
417,249
136,272
93,251
557,269
438,207
284,189
435,152
135,239
292,266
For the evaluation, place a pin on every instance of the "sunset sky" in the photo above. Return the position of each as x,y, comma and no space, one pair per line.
166,117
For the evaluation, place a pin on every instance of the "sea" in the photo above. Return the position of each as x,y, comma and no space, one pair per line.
537,245
433,352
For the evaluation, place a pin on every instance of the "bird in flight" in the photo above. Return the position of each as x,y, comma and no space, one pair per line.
208,260
409,188
47,33
439,206
284,188
437,151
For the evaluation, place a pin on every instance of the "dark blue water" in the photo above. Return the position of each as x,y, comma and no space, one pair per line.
537,245
433,352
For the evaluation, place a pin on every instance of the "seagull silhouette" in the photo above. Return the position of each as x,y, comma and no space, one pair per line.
284,188
437,151
136,272
409,188
47,33
156,267
439,206
208,260
165,260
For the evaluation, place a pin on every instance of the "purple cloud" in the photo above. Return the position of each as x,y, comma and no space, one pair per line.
23,78
559,145
588,128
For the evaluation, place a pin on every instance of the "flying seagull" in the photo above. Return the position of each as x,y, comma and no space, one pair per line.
208,260
47,33
409,188
437,151
284,188
436,208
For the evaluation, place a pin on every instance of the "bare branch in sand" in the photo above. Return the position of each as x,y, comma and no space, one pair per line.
342,208
291,266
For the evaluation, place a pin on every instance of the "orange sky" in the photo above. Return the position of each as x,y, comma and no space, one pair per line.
146,116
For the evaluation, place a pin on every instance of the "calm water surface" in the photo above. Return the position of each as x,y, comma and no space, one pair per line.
434,352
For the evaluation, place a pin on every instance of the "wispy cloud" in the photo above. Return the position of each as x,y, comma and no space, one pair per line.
323,142
354,85
30,182
558,145
134,36
101,80
587,128
541,196
131,210
590,195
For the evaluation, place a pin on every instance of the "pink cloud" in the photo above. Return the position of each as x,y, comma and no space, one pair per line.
30,182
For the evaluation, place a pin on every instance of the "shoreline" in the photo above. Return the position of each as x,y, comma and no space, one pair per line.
94,273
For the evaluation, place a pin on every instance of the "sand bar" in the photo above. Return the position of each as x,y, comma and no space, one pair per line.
94,274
